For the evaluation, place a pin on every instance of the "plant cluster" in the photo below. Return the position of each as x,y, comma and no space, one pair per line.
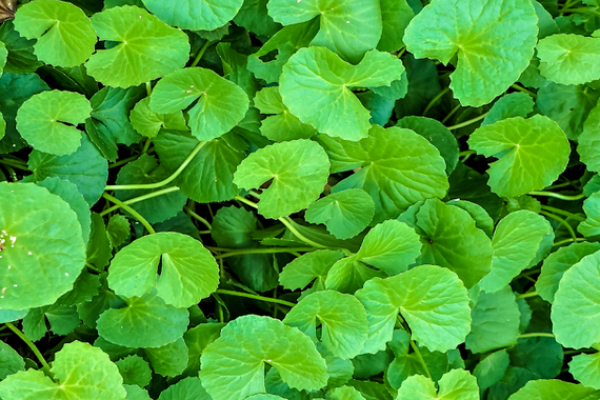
299,199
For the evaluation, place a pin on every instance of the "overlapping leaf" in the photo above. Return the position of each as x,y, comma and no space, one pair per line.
569,59
455,385
195,14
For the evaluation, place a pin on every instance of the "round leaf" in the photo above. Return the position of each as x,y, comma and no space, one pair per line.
346,393
299,170
343,321
591,225
220,104
457,384
510,105
586,369
148,123
65,36
569,59
46,121
185,389
134,370
553,389
482,41
195,15
531,153
41,248
146,50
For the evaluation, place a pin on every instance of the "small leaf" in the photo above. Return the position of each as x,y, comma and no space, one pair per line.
510,105
148,123
195,15
185,389
346,393
457,384
569,59
585,369
491,369
134,370
21,59
10,361
169,360
118,230
310,266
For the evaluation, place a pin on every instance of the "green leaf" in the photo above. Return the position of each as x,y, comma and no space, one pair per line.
10,361
589,141
345,214
496,320
169,360
510,105
348,275
186,389
118,230
431,299
299,170
491,369
342,317
577,292
346,393
21,59
315,85
65,36
457,384
395,15
310,266
356,19
2,126
569,59
531,153
557,263
43,251
80,372
147,50
144,322
134,370
481,40
233,366
47,121
196,340
133,271
136,393
516,241
219,104
397,168
148,123
86,168
591,225
253,16
195,15
553,389
585,369
3,56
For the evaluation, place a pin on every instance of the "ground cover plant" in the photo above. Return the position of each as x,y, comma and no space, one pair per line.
299,199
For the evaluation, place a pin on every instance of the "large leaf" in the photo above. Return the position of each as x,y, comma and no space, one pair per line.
65,36
220,104
233,366
531,153
431,299
397,168
189,273
48,120
195,14
569,59
455,385
349,28
146,50
315,85
41,245
555,390
299,170
482,32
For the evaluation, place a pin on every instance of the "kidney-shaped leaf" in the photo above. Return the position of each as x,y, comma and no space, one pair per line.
483,32
569,59
531,153
221,104
431,299
299,170
233,366
457,384
195,15
585,368
65,36
189,273
147,47
554,389
45,121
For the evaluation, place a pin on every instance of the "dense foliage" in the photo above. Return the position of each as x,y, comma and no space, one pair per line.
299,199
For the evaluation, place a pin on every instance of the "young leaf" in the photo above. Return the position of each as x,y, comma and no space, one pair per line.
117,230
510,105
169,360
221,104
233,366
186,389
491,369
531,153
457,384
65,36
148,47
134,370
481,38
431,299
195,15
349,274
591,225
196,340
569,59
148,123
315,85
45,121
346,393
303,270
133,271
10,361
553,389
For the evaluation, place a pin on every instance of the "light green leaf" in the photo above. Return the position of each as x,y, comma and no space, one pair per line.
482,219
345,214
553,389
569,59
395,15
516,241
146,50
148,123
134,370
65,36
510,105
3,56
346,393
588,144
342,317
169,360
136,393
220,104
299,170
186,389
43,250
195,15
457,384
431,299
577,304
80,371
397,168
482,33
143,322
48,121
348,275
315,85
10,361
310,266
557,263
233,366
265,397
349,28
133,271
531,153
591,225
586,369
196,340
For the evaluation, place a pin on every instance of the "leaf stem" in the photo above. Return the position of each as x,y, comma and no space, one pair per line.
467,123
13,164
148,88
522,89
141,198
536,334
123,162
526,295
247,202
289,224
420,357
270,250
562,222
201,53
32,346
562,212
565,241
255,297
454,110
435,99
131,211
164,182
558,195
197,217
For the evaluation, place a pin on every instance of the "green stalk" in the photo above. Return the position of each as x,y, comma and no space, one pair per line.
467,123
199,218
536,334
435,100
562,222
562,212
558,195
288,224
131,211
420,358
526,295
270,250
32,346
141,198
201,53
255,297
565,241
522,89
